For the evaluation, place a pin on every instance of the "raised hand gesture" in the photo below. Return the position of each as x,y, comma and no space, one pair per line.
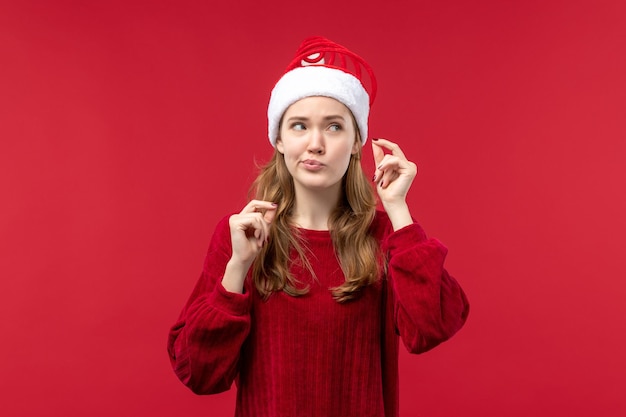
393,177
249,231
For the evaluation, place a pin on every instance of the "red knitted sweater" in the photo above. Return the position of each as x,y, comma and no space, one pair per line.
309,355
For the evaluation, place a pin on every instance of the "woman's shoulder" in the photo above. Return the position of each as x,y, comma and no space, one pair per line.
381,226
222,223
222,228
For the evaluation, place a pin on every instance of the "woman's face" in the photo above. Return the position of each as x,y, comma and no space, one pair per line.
317,138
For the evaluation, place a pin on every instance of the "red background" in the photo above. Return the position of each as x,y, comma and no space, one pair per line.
129,128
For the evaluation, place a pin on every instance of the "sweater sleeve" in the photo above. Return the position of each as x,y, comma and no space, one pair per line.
205,342
429,305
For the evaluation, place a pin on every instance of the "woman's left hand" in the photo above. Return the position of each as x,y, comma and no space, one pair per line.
393,177
394,173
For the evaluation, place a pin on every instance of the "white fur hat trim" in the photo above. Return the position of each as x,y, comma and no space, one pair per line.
322,81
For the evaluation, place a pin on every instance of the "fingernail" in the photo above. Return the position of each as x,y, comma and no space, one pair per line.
374,179
274,204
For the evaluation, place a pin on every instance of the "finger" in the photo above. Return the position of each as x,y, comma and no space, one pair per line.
257,223
403,166
385,169
259,235
391,146
249,223
266,226
388,177
256,205
391,162
261,228
379,155
270,213
378,152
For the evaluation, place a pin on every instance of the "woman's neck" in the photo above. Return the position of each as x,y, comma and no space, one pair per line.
313,208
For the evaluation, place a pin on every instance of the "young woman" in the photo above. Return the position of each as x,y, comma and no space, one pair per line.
304,292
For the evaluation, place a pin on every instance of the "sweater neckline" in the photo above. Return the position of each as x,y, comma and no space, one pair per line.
312,233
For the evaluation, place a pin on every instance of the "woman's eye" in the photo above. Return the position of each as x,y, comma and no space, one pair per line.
298,126
335,127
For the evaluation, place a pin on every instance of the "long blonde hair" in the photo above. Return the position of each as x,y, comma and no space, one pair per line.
357,250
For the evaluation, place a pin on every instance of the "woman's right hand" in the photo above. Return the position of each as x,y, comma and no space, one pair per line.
250,230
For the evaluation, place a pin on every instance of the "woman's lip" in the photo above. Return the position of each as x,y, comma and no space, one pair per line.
312,164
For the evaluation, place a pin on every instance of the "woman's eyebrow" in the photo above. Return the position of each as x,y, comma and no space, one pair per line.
297,118
303,118
334,116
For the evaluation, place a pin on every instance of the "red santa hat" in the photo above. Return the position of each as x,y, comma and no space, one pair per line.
324,68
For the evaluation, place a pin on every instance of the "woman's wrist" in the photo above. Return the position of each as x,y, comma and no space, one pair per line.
234,276
399,214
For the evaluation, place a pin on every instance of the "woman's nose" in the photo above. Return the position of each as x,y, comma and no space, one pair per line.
316,142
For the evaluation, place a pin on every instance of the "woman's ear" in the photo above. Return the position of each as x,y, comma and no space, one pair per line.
279,145
357,145
355,148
